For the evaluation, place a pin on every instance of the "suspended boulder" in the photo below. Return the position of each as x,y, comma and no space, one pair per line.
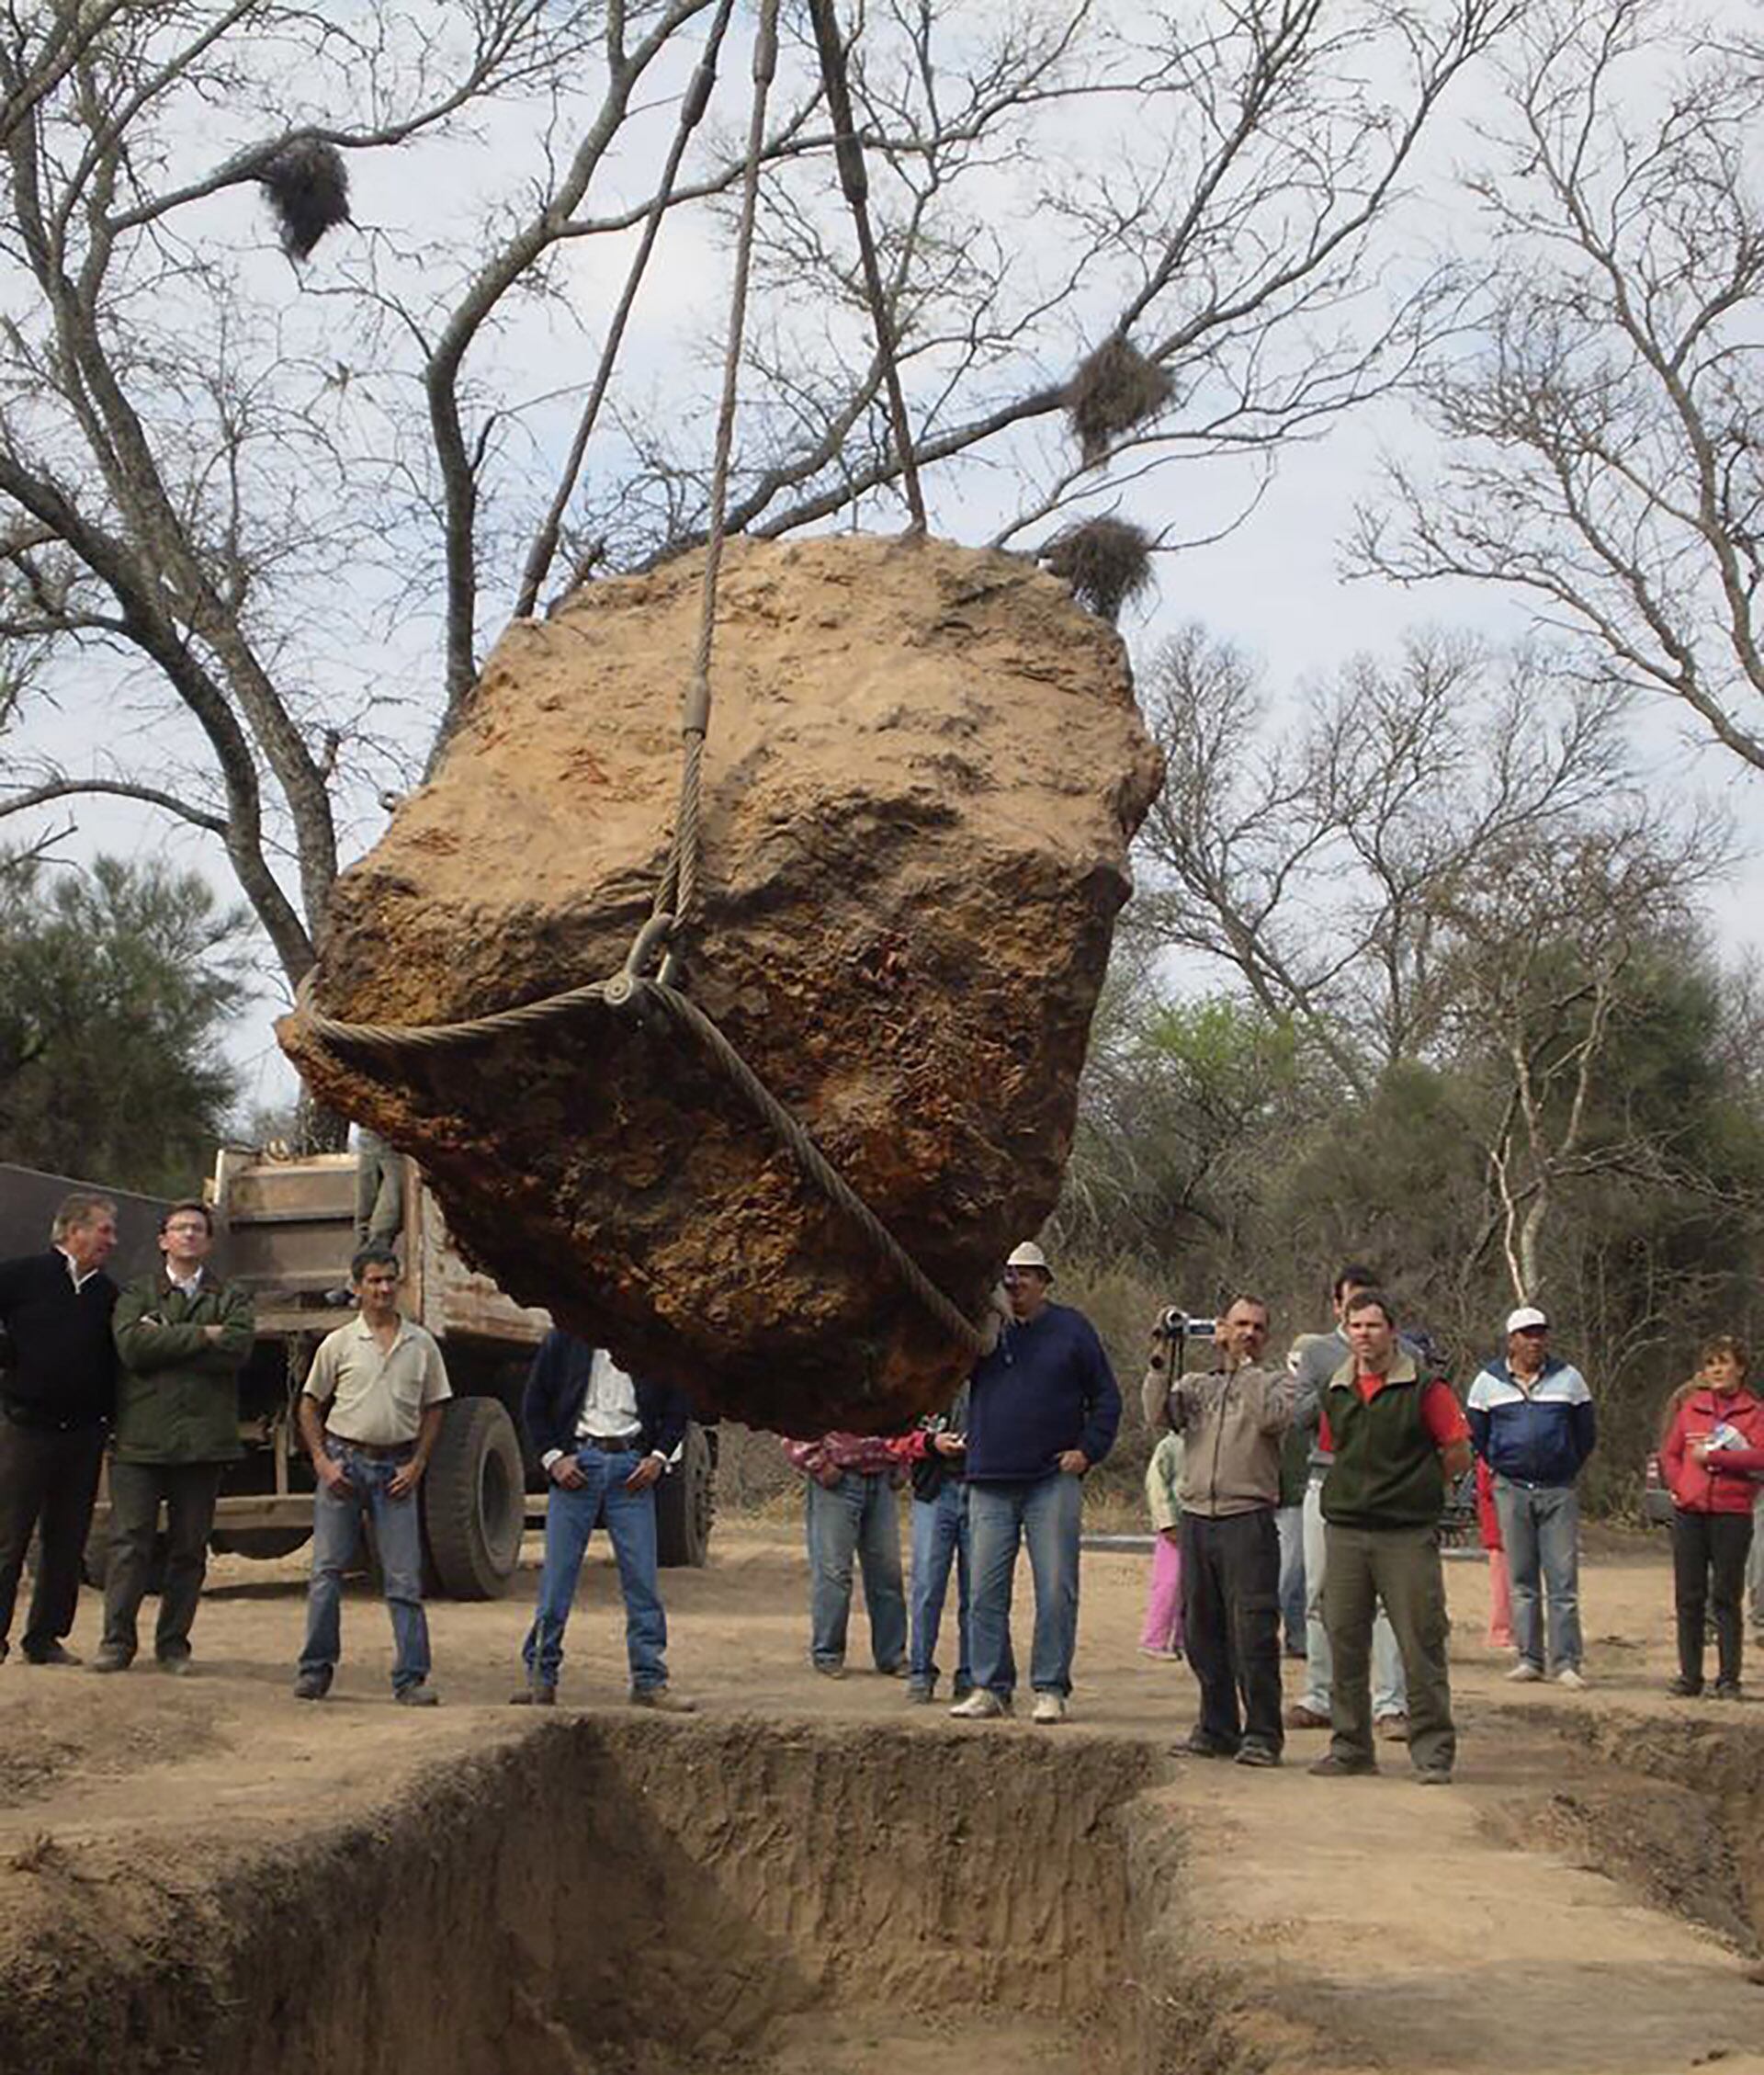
923,770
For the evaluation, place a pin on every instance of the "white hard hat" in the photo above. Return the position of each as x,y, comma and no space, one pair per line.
1527,1315
1029,1256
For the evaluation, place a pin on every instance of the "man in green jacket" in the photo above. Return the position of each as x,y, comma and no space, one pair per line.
183,1336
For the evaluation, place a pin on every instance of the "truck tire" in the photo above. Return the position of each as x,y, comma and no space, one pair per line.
94,1560
473,1507
685,1504
263,1544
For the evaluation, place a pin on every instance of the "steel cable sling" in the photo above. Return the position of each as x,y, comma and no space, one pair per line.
635,989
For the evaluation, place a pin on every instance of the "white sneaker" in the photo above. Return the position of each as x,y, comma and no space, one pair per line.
1048,1707
1525,1674
1570,1676
980,1706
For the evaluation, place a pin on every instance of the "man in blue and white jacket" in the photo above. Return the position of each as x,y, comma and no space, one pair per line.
1532,1422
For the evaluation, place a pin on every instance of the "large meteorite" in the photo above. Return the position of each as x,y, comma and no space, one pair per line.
923,770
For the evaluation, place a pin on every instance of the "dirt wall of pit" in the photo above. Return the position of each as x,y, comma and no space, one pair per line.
641,1897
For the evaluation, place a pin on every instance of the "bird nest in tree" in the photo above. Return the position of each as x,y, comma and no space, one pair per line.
1106,560
308,186
1116,388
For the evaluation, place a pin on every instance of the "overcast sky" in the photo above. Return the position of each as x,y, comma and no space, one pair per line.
1274,586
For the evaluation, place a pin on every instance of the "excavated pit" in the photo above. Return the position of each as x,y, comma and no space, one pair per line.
645,1898
1671,1809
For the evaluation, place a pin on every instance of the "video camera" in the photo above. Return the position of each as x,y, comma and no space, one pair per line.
1175,1326
1174,1323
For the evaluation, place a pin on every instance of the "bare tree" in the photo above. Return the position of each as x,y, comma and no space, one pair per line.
258,505
1449,861
1544,934
1320,859
1600,441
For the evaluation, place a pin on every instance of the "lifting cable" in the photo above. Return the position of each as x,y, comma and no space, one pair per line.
692,110
848,150
636,990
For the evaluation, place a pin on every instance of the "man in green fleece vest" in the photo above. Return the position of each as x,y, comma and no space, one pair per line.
1398,1437
183,1335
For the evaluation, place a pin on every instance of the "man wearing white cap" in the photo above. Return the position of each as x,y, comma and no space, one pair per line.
1532,1422
1043,1409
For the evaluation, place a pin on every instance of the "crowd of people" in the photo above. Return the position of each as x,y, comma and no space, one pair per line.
1295,1510
1296,1506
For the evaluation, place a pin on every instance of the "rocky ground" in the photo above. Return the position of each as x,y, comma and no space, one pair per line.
811,1875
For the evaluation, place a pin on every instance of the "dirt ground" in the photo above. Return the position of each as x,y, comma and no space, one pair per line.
1589,1897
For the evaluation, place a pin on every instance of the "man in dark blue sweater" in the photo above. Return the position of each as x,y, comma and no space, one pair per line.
1043,1409
58,1391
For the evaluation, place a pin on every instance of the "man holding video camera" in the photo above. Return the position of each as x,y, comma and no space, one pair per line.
1232,1418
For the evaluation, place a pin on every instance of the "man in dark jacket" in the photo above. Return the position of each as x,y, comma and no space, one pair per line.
605,1440
1043,1409
183,1335
57,1393
1532,1422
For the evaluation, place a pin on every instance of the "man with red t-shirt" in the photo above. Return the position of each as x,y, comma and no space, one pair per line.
1398,1439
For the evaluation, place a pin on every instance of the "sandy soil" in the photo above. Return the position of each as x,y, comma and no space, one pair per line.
1588,1898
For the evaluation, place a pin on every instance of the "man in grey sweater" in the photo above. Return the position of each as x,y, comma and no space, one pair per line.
1231,1418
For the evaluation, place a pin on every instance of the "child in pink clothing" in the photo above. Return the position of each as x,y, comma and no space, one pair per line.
1162,1634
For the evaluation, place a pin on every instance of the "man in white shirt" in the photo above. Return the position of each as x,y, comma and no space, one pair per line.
605,1440
370,1411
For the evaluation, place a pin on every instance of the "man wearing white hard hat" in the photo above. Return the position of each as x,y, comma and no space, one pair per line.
1043,1409
1532,1422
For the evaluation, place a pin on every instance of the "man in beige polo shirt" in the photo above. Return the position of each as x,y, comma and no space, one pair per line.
370,1413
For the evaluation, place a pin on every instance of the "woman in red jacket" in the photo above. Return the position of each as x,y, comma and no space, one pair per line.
1711,1460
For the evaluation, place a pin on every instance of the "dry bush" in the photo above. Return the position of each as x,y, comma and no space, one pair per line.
1116,388
308,186
1106,560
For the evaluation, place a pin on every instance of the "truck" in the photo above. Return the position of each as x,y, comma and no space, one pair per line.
286,1228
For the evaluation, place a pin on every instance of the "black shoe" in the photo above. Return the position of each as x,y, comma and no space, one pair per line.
1257,1754
1682,1689
57,1653
1198,1744
110,1659
312,1686
1331,1767
1728,1689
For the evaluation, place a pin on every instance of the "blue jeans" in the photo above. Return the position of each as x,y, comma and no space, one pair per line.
1539,1525
1289,1525
336,1531
856,1517
1045,1514
571,1517
939,1536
